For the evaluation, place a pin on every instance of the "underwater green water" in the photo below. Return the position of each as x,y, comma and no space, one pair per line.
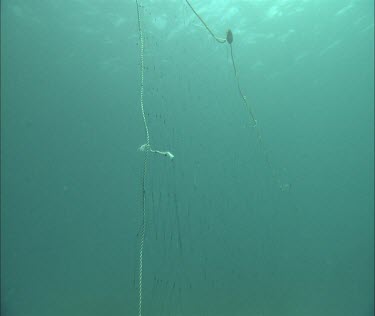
234,225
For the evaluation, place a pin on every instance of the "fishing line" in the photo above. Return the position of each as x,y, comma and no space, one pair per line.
146,148
229,39
218,39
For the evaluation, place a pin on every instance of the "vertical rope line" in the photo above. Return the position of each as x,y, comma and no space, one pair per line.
146,150
257,130
142,235
141,39
239,88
